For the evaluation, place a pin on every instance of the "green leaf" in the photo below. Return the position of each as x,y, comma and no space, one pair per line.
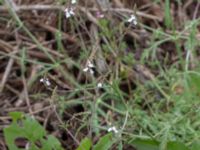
145,144
176,146
104,142
149,144
194,82
195,146
16,115
33,129
30,129
168,17
11,133
85,144
51,144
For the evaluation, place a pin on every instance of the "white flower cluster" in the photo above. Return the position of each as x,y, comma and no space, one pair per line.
45,81
89,67
99,85
132,19
113,129
69,12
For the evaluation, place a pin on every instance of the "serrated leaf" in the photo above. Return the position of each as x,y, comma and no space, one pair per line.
104,142
11,133
28,128
85,144
31,130
51,144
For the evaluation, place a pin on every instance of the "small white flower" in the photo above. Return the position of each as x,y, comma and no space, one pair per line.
89,67
99,85
45,81
132,19
85,69
73,1
110,129
42,80
69,12
91,71
113,129
48,83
